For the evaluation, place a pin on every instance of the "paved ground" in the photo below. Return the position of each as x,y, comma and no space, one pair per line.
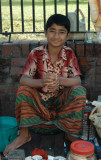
52,144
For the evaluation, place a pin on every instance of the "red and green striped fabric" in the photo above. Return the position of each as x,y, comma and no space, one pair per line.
64,112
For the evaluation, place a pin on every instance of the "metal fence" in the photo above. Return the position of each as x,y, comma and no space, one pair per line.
10,24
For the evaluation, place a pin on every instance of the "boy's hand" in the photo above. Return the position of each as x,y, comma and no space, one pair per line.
51,81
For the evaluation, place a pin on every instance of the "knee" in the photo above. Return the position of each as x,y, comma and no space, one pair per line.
25,92
25,89
78,90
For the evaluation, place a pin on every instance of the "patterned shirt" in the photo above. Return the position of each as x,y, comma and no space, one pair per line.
39,63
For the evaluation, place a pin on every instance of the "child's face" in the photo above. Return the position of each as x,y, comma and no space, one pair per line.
56,35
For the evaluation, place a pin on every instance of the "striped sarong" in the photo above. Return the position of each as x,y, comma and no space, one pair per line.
64,112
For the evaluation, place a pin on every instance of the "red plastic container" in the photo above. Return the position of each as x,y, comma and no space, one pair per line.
81,150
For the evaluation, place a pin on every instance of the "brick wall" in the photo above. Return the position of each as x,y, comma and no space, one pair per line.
12,59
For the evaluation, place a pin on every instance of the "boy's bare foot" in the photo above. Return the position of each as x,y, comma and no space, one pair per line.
23,138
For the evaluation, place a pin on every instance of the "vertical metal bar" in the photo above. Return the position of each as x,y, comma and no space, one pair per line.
66,4
11,15
33,12
55,6
77,15
0,18
88,17
22,16
44,13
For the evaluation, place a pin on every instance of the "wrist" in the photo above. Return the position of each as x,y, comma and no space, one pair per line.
41,83
59,79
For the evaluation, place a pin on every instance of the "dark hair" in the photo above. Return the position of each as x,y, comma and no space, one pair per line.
58,19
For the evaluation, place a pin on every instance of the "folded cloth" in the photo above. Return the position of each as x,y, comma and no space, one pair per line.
40,152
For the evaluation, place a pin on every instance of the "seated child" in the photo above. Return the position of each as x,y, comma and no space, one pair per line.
50,96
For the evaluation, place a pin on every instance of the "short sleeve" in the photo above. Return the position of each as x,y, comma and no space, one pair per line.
30,65
71,66
74,66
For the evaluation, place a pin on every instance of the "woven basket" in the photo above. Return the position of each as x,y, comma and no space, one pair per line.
95,116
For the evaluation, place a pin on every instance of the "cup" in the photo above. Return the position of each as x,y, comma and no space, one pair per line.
99,98
59,158
89,36
99,37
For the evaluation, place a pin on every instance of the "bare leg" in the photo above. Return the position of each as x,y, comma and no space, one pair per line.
68,140
71,138
23,138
